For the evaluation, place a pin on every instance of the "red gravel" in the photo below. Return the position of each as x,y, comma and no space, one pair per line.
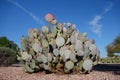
17,73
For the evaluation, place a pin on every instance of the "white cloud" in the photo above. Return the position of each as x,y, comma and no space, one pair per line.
96,20
26,11
96,27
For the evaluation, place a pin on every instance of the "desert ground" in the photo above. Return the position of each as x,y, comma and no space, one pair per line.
99,72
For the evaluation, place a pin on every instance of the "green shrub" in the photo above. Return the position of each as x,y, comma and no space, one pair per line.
110,60
7,56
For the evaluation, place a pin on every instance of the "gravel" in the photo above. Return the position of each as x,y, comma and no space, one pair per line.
17,73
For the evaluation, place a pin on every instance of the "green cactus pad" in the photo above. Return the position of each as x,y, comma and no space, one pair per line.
83,39
80,53
26,56
19,57
30,34
36,47
68,41
31,51
56,52
46,66
62,50
55,60
35,34
93,49
72,39
80,64
78,45
87,65
44,58
86,55
60,41
66,54
73,57
49,57
24,43
45,29
38,58
32,64
69,65
28,69
44,43
54,31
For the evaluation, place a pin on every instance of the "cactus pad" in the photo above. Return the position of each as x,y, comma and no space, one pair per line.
69,65
60,41
87,65
36,47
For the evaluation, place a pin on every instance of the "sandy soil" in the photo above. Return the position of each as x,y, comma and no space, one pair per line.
17,73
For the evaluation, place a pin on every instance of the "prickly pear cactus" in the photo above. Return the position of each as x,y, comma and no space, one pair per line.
60,48
87,65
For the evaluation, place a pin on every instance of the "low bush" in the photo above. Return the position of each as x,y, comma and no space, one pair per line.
7,56
110,60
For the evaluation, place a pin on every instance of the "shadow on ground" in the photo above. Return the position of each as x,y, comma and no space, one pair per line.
115,68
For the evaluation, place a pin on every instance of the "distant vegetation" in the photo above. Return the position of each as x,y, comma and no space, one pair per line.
110,60
8,51
114,47
4,42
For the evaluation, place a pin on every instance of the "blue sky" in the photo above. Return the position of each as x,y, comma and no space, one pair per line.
100,18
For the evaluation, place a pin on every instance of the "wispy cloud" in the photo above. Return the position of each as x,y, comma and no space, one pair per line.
96,26
108,8
26,11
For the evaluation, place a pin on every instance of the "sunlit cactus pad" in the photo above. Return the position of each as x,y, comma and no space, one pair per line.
60,48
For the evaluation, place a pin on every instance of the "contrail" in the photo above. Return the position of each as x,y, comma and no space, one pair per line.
26,11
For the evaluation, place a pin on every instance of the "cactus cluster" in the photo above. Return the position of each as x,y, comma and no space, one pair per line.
60,48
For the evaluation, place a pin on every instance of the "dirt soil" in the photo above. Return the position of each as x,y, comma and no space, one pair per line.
17,73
